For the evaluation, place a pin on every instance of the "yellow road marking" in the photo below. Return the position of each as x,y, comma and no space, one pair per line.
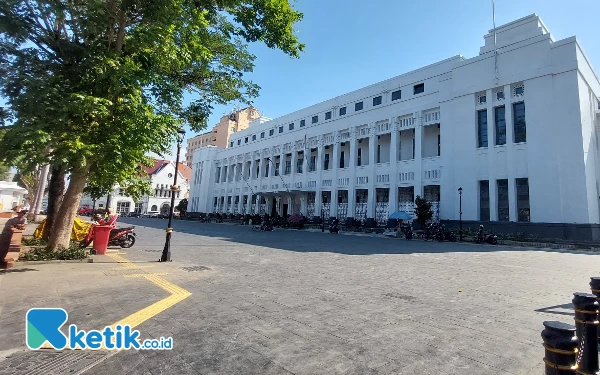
145,274
178,294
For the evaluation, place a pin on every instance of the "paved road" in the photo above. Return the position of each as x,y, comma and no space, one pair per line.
312,303
294,302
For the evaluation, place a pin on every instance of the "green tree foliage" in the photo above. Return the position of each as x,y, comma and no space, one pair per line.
422,211
182,206
96,85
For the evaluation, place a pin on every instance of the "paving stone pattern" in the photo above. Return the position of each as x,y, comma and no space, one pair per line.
292,302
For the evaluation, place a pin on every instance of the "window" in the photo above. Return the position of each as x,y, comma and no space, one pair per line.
482,99
328,115
326,162
482,136
342,160
291,127
484,200
503,210
376,100
218,175
519,126
267,167
231,144
519,91
419,89
378,154
302,123
281,129
313,162
396,95
288,167
523,208
271,132
246,140
262,135
342,111
359,159
413,144
500,126
257,168
239,142
254,137
358,106
315,119
277,169
500,95
299,164
439,145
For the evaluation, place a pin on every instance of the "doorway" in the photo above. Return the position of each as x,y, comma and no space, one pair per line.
273,207
285,210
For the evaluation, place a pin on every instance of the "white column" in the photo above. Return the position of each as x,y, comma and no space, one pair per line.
293,161
303,203
372,175
334,178
319,191
418,154
352,165
510,156
318,203
492,176
393,168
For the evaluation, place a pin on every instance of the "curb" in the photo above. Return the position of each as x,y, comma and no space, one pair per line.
26,262
538,244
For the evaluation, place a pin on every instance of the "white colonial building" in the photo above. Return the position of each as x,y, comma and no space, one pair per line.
515,127
160,176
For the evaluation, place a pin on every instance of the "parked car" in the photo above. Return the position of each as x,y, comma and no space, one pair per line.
152,214
134,214
84,211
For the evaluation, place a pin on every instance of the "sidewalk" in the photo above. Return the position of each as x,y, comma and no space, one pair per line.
94,295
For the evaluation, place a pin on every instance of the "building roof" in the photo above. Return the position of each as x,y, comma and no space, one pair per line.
185,170
158,164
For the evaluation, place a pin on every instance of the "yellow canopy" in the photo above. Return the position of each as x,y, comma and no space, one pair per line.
81,228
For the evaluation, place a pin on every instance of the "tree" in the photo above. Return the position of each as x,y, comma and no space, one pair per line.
422,211
182,206
100,83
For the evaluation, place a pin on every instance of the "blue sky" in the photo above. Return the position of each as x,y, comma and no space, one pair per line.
353,43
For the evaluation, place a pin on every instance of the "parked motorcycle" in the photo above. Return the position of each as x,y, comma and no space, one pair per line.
490,238
123,237
334,227
408,233
449,234
431,231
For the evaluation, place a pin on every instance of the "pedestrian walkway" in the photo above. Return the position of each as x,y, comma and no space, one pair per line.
108,291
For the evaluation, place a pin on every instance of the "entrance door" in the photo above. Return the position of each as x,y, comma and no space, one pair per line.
274,207
285,210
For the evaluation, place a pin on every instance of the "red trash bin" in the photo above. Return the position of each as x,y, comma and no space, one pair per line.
101,235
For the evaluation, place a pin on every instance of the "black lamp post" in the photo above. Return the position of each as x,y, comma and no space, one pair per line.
322,216
166,254
460,212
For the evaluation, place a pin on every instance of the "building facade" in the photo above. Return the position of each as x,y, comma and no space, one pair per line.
160,176
515,127
219,135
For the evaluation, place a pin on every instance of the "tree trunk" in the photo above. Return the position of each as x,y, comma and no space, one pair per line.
56,189
63,221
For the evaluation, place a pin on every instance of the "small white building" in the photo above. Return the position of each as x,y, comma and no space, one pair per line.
161,178
11,195
515,127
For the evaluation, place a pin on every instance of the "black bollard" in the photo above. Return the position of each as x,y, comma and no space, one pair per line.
595,286
560,344
586,322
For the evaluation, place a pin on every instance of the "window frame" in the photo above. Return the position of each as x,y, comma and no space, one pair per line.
291,126
378,100
327,115
315,119
515,121
396,95
482,141
344,109
420,87
359,106
497,133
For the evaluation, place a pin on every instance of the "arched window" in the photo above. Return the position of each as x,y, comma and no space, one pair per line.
154,208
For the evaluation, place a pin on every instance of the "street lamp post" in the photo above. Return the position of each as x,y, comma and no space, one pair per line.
460,212
166,254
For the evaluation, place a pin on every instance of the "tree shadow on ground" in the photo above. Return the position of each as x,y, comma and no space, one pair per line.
309,241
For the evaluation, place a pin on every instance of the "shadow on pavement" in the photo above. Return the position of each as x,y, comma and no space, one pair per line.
305,241
17,270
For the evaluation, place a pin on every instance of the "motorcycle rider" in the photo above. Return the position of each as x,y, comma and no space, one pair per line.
109,219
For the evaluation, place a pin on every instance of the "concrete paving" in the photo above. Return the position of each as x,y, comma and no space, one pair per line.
307,303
